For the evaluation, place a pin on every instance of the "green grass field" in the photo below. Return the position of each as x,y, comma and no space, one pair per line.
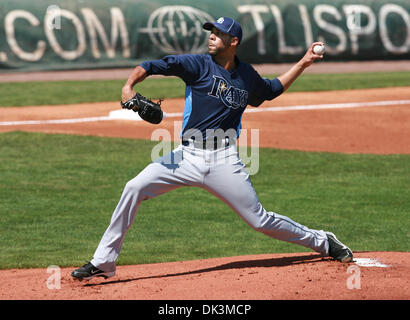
68,92
57,194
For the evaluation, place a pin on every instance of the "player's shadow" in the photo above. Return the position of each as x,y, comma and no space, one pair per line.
262,263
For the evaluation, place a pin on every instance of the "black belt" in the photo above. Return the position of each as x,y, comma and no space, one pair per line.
207,144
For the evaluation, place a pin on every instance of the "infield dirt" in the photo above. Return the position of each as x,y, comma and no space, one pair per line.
290,276
377,130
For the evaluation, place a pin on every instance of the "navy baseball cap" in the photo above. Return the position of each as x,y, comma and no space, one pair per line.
227,25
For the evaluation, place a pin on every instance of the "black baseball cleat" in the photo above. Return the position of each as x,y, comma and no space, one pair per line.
338,250
88,271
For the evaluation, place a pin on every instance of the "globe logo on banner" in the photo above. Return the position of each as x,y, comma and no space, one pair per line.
178,29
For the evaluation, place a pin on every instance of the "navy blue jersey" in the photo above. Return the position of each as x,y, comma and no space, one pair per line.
215,98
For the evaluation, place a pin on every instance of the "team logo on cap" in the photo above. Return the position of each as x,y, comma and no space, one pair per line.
220,20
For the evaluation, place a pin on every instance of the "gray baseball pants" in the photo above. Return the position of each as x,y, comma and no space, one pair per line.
222,173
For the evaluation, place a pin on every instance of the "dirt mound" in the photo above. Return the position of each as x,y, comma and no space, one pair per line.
374,275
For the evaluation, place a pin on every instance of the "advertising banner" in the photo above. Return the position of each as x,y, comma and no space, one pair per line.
85,34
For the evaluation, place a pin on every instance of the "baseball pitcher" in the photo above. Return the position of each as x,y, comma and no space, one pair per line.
219,86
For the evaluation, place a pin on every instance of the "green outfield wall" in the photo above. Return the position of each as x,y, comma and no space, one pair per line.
74,34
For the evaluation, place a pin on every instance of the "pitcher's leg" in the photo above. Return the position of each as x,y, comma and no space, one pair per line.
232,185
175,169
136,190
167,173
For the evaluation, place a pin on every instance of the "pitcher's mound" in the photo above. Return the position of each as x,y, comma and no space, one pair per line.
374,275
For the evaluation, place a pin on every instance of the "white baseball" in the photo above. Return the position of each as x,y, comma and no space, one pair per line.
319,49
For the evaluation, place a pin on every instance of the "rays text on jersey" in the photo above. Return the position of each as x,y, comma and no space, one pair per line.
231,97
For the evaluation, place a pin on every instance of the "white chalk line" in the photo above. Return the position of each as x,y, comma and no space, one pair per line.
57,121
367,262
333,106
130,115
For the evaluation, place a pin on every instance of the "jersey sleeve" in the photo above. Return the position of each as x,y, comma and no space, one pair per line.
185,66
264,89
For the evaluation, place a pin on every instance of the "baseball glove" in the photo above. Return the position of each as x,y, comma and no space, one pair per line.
146,108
